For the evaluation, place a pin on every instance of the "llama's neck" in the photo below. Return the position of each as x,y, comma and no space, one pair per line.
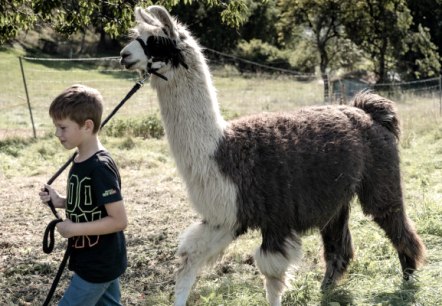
191,115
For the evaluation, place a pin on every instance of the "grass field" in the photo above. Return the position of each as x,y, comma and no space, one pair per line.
159,210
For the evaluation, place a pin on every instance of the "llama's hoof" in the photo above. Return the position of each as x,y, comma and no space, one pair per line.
408,274
327,285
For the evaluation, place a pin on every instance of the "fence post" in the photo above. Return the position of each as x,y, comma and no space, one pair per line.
27,96
326,88
440,95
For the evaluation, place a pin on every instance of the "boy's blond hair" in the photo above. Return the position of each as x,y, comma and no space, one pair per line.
78,103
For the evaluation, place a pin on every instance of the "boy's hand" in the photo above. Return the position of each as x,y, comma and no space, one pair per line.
65,228
48,193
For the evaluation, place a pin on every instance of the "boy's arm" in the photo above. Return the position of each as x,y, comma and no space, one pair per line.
115,221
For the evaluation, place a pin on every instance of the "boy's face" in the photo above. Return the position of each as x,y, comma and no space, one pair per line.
70,134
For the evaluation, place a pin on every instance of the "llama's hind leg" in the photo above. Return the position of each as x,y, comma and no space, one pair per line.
402,234
383,201
273,262
338,249
200,244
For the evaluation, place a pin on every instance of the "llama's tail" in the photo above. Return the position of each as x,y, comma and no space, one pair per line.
380,109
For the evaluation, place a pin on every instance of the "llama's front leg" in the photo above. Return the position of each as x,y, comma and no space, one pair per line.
273,261
200,244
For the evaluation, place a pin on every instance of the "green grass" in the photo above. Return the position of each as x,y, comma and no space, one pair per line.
159,210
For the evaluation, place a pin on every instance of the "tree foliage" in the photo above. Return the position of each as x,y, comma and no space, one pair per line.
380,29
15,16
324,24
322,19
206,24
400,37
366,26
428,14
261,22
420,58
113,17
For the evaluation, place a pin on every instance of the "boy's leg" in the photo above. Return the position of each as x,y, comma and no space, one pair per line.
82,293
112,295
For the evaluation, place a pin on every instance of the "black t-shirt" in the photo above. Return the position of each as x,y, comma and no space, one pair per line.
92,184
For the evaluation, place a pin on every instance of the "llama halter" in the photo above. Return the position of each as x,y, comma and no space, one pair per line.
159,51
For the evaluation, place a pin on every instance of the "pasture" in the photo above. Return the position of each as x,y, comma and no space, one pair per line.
158,208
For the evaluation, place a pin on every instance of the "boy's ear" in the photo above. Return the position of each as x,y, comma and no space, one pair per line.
89,124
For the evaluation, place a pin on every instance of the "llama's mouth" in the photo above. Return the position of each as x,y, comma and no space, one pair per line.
126,64
129,65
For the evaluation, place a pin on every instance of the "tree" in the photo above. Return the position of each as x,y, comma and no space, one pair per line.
15,16
420,59
322,19
206,24
261,22
428,14
111,17
383,30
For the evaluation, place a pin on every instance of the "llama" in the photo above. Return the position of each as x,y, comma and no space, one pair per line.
281,173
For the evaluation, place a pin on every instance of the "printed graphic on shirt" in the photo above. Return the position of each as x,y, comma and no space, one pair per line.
80,208
109,193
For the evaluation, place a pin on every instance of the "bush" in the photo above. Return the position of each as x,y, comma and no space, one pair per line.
149,127
257,51
304,58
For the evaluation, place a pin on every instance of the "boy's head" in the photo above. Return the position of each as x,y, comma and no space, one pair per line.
78,103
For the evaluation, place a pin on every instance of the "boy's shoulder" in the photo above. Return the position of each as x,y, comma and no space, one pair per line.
104,156
99,160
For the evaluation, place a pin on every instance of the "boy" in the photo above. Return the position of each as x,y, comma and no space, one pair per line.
95,214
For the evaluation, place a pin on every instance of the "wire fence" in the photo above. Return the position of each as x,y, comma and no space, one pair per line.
25,102
34,82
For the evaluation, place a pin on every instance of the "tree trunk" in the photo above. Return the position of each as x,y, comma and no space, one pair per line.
323,68
326,87
383,51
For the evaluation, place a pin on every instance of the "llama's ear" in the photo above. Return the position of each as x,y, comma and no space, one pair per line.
163,16
143,16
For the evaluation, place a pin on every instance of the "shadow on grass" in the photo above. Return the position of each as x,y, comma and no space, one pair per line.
224,288
337,296
404,296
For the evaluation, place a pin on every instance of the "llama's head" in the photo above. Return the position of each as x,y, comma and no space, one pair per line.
158,43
